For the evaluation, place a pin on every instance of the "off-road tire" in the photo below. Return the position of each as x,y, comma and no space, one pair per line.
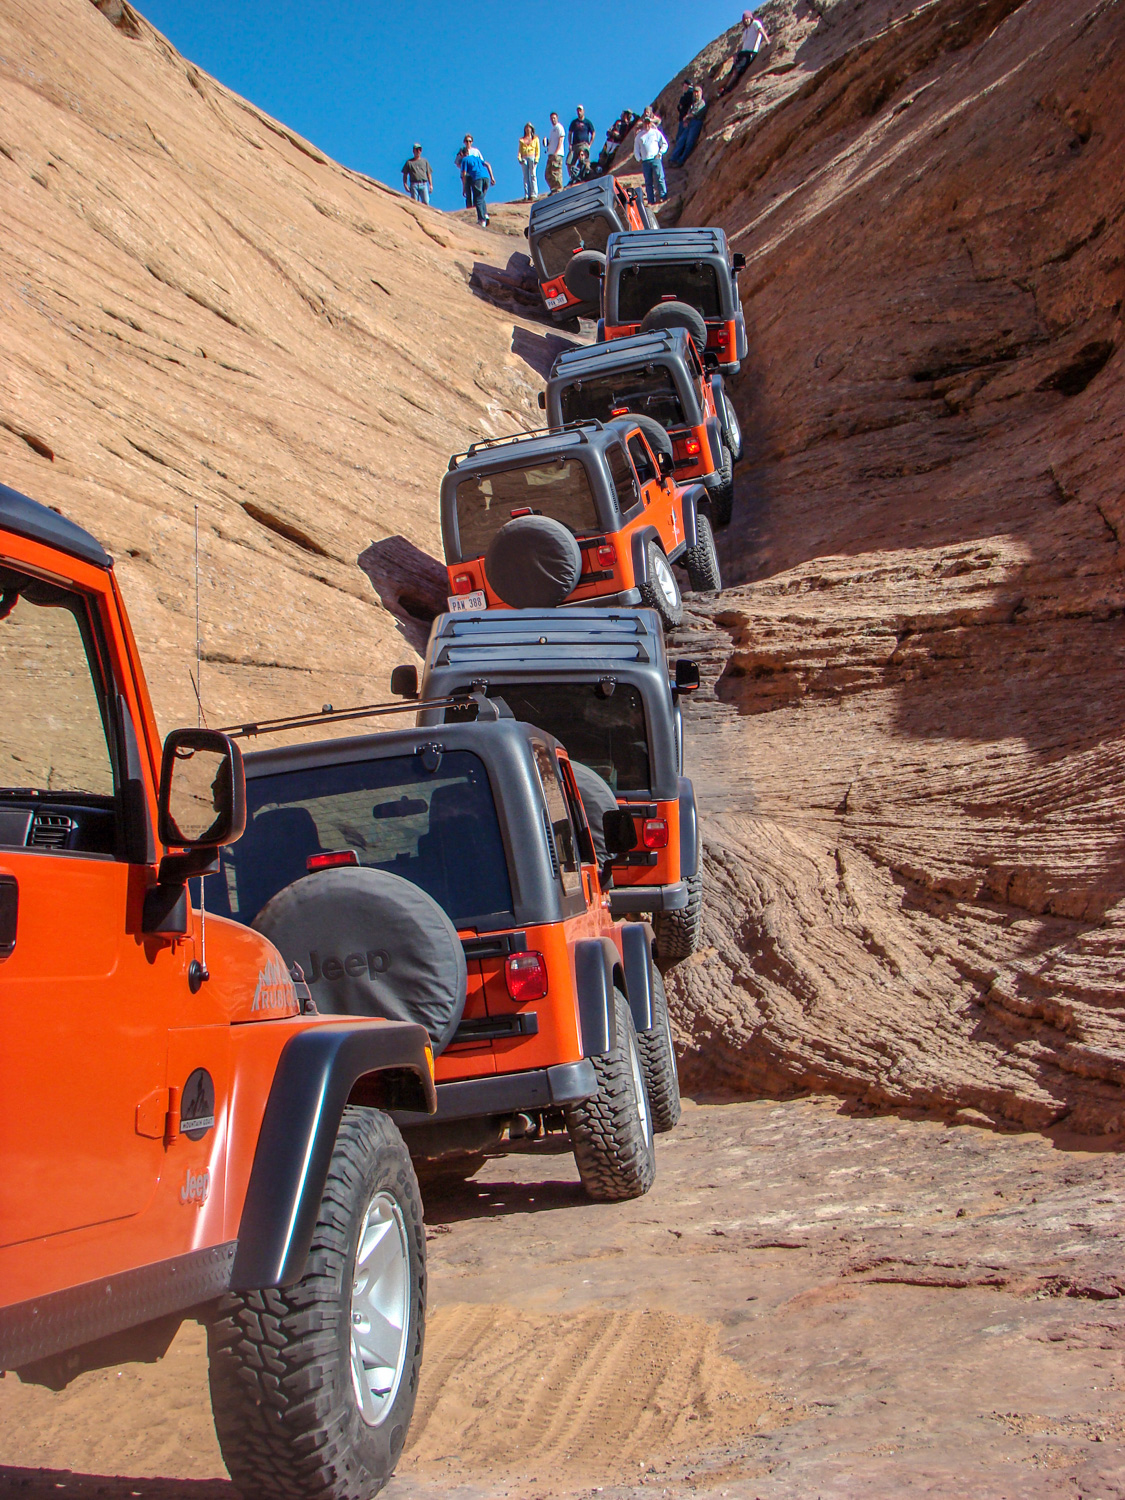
678,933
732,428
722,496
658,1062
670,612
286,1414
611,1134
678,315
702,561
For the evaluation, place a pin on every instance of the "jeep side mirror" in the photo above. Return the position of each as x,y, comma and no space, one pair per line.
664,464
404,682
738,261
525,231
202,801
687,676
542,399
619,831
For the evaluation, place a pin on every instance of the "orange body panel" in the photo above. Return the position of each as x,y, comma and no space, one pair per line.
666,870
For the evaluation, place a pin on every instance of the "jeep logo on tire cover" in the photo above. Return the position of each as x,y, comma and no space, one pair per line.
197,1105
352,966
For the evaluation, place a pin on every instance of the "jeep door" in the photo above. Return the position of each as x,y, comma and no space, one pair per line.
82,1100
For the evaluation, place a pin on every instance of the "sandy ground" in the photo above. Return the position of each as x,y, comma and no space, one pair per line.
810,1302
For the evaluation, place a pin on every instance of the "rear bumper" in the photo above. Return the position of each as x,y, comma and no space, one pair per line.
627,899
626,599
508,1094
711,481
732,368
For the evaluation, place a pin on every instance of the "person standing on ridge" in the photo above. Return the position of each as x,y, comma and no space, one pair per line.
649,146
685,102
467,150
581,133
476,179
527,154
690,129
754,38
553,144
417,178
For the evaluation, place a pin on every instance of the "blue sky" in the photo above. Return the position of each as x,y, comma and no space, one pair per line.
364,81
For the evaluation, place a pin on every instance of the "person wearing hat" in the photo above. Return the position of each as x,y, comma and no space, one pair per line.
581,133
754,38
417,179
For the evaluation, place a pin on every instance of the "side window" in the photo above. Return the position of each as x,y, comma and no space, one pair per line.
562,830
52,727
642,460
624,482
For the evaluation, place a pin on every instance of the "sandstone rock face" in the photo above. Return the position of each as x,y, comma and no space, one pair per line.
913,746
198,308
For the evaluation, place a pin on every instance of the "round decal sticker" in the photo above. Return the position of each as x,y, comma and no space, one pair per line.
197,1105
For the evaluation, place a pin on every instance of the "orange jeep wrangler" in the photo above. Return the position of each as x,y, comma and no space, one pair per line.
586,514
566,239
181,1135
658,375
549,1014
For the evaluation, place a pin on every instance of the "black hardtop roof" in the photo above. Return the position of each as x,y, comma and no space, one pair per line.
620,354
575,638
27,518
574,202
525,447
666,244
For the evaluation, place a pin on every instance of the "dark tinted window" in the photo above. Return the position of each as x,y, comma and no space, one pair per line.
559,488
608,734
642,462
641,287
436,828
624,480
555,248
649,391
562,829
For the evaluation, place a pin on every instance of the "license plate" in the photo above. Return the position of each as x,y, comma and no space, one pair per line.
559,300
464,604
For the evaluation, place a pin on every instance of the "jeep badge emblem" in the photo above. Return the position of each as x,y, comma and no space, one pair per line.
196,1186
197,1106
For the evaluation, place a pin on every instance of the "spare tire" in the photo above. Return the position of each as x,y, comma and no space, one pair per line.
597,799
371,944
677,315
533,562
658,439
581,278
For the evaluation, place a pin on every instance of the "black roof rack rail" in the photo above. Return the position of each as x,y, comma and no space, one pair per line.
515,437
330,715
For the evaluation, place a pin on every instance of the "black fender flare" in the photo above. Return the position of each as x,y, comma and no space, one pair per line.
696,501
715,441
381,1063
689,830
593,980
641,536
636,952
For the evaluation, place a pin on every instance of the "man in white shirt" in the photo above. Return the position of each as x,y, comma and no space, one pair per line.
554,144
754,38
649,147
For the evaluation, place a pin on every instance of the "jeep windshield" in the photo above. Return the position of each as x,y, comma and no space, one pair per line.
554,249
609,734
555,487
649,391
436,828
641,287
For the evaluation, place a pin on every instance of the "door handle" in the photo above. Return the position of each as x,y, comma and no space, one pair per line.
9,914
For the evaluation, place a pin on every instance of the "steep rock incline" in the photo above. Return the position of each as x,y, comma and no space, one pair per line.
198,308
914,748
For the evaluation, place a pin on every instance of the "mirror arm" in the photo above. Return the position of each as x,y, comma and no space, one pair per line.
165,905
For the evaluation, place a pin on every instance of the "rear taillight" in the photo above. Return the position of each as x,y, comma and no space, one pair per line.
722,336
330,861
687,447
607,557
525,974
462,583
654,833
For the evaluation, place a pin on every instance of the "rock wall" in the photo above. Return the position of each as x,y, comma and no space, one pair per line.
198,308
912,748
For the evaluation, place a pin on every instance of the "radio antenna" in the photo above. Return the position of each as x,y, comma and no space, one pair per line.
197,680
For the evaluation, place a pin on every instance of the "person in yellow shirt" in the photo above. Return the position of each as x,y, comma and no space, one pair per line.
527,154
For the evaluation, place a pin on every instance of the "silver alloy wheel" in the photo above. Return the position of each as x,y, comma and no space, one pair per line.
639,1087
380,1308
665,582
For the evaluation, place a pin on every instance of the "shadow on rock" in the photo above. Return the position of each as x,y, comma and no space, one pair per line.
39,1484
514,288
540,350
411,585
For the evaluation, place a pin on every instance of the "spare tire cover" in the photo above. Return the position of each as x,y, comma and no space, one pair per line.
598,799
533,562
658,439
677,315
371,944
579,275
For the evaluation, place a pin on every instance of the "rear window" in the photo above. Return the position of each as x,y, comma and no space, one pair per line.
649,391
435,827
554,249
608,734
641,287
559,488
